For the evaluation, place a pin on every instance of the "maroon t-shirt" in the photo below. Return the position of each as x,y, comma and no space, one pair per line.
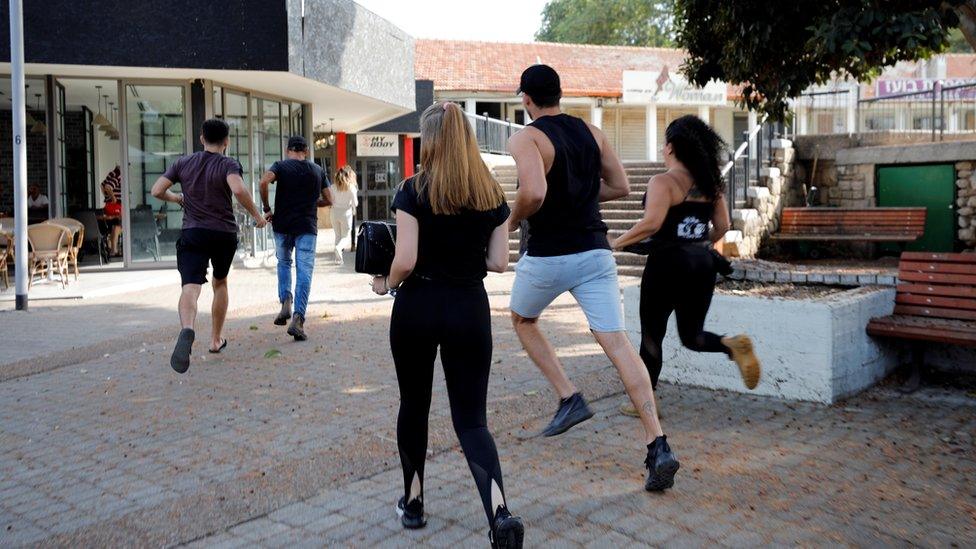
207,198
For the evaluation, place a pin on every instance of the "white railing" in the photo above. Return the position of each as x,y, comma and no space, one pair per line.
492,133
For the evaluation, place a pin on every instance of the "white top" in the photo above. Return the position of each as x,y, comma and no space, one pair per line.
40,202
344,200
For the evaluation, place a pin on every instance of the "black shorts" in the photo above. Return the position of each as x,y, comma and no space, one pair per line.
197,247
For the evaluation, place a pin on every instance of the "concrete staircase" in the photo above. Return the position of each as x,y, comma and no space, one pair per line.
619,215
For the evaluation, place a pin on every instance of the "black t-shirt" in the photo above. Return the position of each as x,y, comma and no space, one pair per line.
300,185
207,202
450,248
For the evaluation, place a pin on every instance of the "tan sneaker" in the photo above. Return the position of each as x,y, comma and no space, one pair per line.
745,357
629,410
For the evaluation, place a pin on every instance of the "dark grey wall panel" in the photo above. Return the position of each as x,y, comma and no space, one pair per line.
410,123
212,34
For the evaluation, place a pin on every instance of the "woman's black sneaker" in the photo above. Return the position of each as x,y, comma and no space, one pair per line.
571,411
411,514
507,532
661,465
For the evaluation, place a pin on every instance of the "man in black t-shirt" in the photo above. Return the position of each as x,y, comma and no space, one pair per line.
209,181
302,187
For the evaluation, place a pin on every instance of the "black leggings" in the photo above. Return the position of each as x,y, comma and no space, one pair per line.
682,280
428,315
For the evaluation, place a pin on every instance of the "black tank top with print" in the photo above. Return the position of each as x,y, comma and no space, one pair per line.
686,221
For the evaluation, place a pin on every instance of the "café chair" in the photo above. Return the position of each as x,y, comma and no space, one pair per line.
48,243
77,229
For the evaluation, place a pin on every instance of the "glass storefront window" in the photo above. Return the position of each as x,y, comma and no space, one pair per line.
156,130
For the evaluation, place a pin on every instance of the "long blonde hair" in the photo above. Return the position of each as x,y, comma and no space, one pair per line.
345,179
451,169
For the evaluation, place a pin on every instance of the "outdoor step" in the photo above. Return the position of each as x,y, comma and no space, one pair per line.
632,215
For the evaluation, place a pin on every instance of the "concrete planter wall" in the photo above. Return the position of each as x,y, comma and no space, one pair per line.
811,349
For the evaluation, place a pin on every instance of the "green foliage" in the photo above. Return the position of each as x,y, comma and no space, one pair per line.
607,22
778,49
958,43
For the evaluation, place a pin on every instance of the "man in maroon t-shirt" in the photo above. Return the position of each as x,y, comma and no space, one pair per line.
209,180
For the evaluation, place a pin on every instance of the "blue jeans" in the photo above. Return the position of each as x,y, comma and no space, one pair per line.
304,246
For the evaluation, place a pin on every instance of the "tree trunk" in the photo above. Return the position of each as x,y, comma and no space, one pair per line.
967,19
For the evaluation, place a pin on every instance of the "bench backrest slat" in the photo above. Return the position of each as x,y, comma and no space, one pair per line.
937,285
853,221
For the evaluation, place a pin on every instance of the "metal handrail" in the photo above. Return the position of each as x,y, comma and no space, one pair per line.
492,133
742,148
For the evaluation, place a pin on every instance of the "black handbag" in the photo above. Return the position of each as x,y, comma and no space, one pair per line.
375,247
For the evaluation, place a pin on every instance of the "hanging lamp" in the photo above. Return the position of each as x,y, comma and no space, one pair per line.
113,132
332,136
100,119
39,127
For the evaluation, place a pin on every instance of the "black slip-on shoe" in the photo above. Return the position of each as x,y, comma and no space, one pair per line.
507,532
572,411
412,514
661,465
180,360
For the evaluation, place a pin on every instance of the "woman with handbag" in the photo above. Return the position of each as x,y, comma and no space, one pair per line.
451,229
679,275
344,202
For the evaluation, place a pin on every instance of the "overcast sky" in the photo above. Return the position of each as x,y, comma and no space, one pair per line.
496,21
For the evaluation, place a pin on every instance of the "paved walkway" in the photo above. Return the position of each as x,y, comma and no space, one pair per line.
281,443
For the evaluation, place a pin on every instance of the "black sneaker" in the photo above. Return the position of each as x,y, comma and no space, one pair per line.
285,313
180,359
297,328
661,465
571,411
412,514
507,532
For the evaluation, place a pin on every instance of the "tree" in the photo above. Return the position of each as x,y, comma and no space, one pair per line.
778,49
958,43
607,22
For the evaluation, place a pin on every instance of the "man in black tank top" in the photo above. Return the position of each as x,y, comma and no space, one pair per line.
566,167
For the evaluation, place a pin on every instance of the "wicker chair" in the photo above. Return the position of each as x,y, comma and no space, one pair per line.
77,238
48,242
7,243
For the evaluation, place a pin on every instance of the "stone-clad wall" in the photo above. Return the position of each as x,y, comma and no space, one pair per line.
777,188
966,203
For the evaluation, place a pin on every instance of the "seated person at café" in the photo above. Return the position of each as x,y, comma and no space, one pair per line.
113,219
37,204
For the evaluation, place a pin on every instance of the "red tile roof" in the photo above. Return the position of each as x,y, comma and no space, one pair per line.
585,70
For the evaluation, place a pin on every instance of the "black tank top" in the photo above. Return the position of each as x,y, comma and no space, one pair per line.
569,220
686,221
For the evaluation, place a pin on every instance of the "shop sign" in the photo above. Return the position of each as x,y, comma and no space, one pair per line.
887,87
667,88
377,144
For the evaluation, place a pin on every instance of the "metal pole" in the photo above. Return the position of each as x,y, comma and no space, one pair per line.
935,88
941,113
20,150
857,109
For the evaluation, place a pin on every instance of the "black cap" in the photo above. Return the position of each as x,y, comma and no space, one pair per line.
540,81
297,143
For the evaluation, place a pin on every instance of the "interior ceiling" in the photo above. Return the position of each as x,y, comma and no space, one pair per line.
352,112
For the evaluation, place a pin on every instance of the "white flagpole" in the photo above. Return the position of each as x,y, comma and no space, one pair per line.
20,149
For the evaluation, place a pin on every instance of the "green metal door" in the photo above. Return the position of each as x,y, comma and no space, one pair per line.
932,187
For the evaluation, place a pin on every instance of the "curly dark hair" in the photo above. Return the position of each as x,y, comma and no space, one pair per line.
699,148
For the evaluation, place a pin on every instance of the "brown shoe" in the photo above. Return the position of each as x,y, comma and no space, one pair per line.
297,328
285,313
745,357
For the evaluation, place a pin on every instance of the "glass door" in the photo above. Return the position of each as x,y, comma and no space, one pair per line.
156,124
378,180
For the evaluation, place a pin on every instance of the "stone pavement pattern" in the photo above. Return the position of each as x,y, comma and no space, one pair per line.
278,443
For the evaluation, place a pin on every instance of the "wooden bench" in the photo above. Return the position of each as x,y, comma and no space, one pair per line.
859,224
936,302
